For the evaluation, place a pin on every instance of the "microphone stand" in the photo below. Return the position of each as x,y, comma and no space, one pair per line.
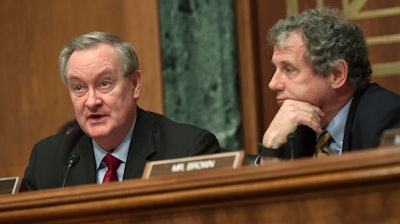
291,138
72,161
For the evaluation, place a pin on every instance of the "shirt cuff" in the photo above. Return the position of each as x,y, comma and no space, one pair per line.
263,151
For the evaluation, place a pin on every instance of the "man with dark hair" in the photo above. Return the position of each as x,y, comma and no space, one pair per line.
322,84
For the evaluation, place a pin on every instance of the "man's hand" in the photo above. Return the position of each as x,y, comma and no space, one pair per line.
291,114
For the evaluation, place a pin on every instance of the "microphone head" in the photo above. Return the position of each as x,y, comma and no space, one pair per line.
291,136
73,159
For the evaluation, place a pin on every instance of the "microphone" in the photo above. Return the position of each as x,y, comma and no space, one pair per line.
291,138
72,161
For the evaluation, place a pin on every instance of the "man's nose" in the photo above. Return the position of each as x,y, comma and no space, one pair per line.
275,84
93,99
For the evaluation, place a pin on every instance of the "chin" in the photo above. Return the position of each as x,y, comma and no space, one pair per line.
96,133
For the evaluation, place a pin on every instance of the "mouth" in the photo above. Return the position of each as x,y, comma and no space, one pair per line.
95,117
280,101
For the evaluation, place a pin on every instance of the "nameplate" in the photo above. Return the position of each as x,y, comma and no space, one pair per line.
231,160
390,137
8,185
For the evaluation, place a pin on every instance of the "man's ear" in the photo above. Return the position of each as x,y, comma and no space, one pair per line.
136,81
340,74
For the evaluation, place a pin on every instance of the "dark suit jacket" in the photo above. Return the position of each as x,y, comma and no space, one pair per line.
372,111
154,138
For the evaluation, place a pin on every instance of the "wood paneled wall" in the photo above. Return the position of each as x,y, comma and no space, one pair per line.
34,102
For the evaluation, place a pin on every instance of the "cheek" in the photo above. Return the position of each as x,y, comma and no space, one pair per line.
306,90
77,104
121,100
318,93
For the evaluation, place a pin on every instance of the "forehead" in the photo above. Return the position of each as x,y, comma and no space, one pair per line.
94,53
96,57
292,41
289,49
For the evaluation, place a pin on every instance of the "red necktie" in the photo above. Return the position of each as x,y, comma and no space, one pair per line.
112,164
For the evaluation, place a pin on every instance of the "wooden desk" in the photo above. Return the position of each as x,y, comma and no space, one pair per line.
357,187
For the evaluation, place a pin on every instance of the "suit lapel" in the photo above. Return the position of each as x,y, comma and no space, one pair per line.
347,139
145,139
84,172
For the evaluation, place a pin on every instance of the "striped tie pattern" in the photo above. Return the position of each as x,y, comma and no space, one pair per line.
322,148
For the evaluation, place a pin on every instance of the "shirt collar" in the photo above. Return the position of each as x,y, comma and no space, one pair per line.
337,125
121,152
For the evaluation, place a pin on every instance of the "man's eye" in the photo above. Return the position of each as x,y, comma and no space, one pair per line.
289,69
105,86
78,88
105,83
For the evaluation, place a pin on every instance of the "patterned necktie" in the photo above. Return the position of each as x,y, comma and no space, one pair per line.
323,141
112,164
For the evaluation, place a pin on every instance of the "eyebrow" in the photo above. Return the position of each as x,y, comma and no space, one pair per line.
105,72
282,63
70,79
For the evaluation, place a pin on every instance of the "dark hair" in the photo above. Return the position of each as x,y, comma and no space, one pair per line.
126,52
328,36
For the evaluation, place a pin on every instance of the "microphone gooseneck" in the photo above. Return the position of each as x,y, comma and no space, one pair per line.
72,161
291,138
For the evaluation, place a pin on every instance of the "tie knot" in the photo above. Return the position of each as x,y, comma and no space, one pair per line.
111,162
